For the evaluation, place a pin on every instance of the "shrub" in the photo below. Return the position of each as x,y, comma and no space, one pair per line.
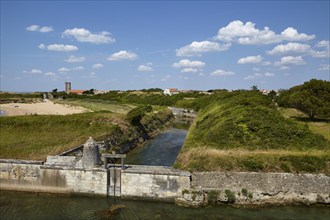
244,192
230,195
213,196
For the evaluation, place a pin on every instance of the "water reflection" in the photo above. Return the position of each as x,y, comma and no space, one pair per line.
15,205
161,151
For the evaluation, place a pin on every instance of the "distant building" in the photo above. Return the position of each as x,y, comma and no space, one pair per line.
171,91
264,91
78,92
67,87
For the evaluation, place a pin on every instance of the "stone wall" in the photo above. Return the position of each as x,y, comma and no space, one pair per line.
151,182
50,177
256,188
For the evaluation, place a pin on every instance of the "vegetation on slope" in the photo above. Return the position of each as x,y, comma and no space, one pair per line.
244,131
36,136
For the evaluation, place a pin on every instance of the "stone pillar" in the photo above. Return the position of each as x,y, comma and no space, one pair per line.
91,155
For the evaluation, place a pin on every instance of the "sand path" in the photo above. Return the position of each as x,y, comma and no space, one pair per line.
41,108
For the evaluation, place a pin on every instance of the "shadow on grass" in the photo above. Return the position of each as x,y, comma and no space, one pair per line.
306,119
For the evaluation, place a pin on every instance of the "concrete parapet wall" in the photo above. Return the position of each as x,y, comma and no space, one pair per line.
43,178
266,187
150,182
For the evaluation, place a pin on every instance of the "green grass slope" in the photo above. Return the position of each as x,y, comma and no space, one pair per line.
244,131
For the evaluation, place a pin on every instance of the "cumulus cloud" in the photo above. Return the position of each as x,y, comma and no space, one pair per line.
145,68
196,48
290,48
222,73
250,59
58,47
84,35
123,55
189,70
246,33
74,59
325,45
259,75
189,66
97,66
188,63
64,69
290,60
35,27
50,74
35,71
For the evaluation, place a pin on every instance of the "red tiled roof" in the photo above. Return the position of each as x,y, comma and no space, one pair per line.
77,91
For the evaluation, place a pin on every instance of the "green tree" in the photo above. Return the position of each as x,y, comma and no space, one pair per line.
254,88
312,98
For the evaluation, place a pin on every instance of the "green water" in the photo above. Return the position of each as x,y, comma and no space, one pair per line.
17,205
160,151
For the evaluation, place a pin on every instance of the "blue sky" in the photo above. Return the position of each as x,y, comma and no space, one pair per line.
120,45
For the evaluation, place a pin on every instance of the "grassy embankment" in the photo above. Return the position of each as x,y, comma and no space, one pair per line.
35,137
243,131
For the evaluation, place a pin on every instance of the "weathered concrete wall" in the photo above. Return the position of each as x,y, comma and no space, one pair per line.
266,187
27,176
151,182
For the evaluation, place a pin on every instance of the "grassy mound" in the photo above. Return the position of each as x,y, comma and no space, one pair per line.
244,131
36,136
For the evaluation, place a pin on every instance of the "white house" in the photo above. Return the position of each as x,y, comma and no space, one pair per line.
171,91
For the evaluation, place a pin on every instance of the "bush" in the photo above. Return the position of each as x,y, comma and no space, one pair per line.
244,192
213,196
230,195
135,115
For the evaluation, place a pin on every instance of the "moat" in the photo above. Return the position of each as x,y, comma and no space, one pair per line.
17,205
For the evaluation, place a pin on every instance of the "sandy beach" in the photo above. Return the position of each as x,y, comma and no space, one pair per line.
41,108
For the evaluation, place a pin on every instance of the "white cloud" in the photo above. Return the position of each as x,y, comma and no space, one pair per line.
46,29
145,68
196,48
189,64
250,59
50,74
35,27
189,70
63,69
74,59
325,67
122,55
285,68
290,60
97,66
257,69
302,48
246,33
35,71
84,35
323,43
77,68
222,73
323,53
290,48
259,75
58,47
